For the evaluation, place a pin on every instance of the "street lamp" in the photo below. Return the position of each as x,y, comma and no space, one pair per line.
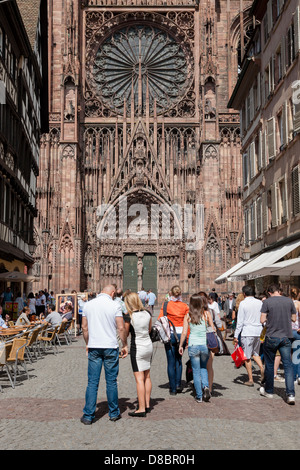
246,254
32,247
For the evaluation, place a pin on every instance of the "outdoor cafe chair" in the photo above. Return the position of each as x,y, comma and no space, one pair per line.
15,356
32,346
62,332
48,337
5,347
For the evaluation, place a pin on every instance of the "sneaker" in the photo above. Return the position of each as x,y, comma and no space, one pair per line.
264,393
198,400
290,399
206,394
115,418
85,421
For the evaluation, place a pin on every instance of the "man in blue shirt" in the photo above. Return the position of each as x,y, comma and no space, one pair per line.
151,298
7,296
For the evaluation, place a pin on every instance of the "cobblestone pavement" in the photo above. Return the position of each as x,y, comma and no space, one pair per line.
44,412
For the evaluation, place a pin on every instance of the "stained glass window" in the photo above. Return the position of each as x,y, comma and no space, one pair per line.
139,64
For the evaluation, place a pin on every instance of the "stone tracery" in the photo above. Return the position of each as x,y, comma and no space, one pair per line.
177,144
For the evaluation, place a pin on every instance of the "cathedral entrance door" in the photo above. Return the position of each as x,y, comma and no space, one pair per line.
150,272
130,273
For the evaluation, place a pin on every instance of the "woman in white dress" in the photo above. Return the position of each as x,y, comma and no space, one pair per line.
141,349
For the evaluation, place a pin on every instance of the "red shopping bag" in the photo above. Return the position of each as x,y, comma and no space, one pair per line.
238,356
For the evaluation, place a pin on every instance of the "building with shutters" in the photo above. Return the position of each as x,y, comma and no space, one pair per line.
23,117
138,94
268,97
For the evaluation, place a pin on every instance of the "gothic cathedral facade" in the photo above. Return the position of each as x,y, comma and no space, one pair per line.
138,94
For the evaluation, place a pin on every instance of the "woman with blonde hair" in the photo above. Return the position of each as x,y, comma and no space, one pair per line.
176,310
141,349
198,319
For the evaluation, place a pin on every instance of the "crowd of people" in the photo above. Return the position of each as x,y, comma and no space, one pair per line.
40,306
265,328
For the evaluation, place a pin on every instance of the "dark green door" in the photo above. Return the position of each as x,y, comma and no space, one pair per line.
130,275
150,273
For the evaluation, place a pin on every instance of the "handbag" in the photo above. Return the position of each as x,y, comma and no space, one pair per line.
154,334
238,356
223,349
161,330
212,341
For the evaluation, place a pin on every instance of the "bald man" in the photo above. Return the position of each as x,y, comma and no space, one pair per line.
101,319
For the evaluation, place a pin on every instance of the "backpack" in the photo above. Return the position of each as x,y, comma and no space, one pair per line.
161,330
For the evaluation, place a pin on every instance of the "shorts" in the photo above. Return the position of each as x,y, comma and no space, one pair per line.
250,345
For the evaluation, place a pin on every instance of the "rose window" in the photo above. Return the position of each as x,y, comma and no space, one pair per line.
139,65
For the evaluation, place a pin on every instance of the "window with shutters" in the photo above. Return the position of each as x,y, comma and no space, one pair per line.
267,83
260,150
252,222
259,217
266,197
280,129
252,160
290,45
257,156
274,205
258,92
278,65
290,123
246,225
295,191
271,138
251,104
245,168
297,31
272,74
264,148
296,107
282,201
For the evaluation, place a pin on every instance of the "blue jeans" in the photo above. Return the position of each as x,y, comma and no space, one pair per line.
109,358
174,360
284,345
199,356
296,354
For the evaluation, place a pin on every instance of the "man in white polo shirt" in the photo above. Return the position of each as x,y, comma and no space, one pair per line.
250,327
101,318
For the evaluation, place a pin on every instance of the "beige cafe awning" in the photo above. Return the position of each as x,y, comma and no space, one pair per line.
260,265
289,267
224,277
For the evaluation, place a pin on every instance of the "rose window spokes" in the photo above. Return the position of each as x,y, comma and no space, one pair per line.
138,65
